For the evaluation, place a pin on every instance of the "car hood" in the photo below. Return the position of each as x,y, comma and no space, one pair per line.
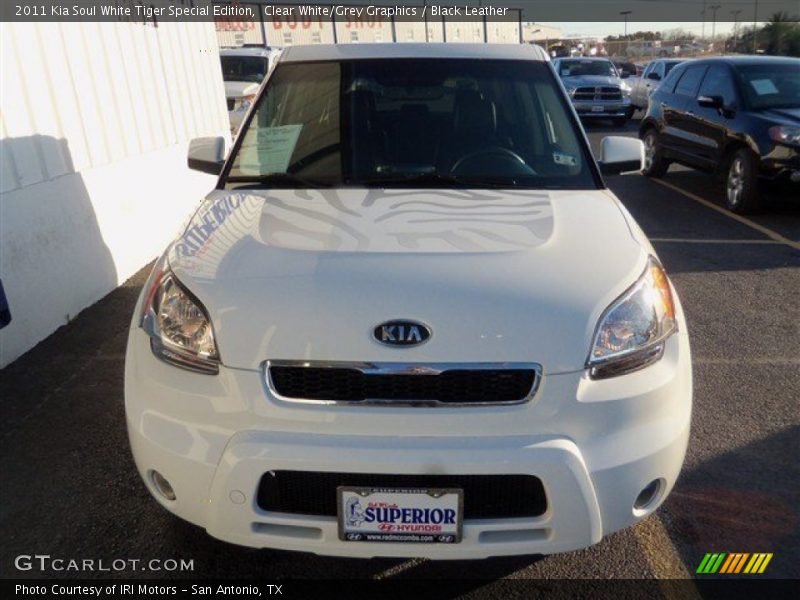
497,275
237,89
591,80
785,115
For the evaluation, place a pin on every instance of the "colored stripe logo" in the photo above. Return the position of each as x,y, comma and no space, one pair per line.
734,562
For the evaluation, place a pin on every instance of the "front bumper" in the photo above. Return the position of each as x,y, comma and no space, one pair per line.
782,167
604,109
594,444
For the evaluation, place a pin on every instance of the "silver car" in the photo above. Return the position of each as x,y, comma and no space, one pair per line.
596,87
654,73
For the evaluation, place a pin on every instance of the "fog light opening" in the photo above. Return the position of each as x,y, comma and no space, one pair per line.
162,485
649,497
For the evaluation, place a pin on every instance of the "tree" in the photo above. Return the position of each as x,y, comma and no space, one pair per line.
637,36
678,34
782,35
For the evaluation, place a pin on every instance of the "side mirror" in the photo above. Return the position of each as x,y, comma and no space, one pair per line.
621,155
207,154
654,76
710,101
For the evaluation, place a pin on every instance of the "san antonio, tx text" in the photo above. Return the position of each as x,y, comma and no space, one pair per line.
129,589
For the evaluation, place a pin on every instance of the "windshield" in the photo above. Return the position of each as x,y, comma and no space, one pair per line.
412,122
576,68
770,85
244,68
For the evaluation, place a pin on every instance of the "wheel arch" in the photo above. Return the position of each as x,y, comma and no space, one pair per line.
647,124
733,146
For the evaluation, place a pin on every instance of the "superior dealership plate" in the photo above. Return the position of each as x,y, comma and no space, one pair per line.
400,515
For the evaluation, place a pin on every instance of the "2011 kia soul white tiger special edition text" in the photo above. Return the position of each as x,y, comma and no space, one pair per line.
411,320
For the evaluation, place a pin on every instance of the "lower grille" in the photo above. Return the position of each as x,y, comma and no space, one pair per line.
410,383
485,496
598,93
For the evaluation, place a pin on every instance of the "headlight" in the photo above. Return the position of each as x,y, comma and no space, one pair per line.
246,102
631,332
626,88
785,134
177,323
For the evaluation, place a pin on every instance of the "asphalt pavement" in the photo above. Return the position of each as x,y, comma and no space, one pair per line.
70,489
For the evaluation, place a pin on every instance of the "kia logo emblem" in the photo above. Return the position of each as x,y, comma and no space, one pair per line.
401,333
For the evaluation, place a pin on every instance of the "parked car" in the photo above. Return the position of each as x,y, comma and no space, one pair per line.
653,74
596,87
738,117
411,319
624,68
243,70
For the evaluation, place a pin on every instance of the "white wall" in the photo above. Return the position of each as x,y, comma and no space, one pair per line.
94,124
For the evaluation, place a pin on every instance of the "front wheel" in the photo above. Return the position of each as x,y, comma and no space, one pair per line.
741,184
654,163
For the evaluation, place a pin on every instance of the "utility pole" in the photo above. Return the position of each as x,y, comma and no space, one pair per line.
714,8
703,12
755,28
485,32
425,13
625,14
735,14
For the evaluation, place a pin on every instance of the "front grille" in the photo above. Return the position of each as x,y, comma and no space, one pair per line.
368,384
231,103
485,496
597,93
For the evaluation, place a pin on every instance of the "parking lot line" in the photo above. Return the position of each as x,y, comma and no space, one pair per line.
745,221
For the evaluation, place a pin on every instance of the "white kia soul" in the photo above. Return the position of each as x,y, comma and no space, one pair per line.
410,320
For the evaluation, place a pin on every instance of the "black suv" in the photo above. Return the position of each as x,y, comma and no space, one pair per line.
738,117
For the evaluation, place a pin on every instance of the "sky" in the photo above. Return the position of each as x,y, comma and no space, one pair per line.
602,29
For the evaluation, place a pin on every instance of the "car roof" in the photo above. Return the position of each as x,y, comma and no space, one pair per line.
595,58
331,52
749,60
245,51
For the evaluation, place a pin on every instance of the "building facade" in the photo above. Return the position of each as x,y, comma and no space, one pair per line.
95,120
292,31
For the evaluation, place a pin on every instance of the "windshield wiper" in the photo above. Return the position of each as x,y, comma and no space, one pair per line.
443,179
278,180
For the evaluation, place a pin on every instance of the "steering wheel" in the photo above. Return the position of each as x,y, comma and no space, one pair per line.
499,152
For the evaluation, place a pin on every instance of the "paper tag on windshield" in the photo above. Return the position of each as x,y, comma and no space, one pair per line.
560,158
272,150
764,87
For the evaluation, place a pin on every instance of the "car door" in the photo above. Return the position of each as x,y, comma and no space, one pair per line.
708,124
637,94
652,82
678,125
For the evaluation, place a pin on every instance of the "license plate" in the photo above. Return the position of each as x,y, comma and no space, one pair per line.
598,108
400,515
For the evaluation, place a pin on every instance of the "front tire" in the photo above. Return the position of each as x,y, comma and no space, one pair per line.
741,183
654,163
